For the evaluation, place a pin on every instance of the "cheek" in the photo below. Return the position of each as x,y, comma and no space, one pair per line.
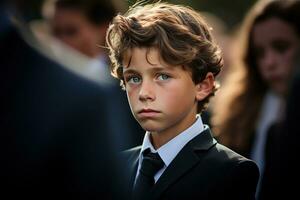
288,62
92,37
76,41
179,97
291,57
86,38
131,95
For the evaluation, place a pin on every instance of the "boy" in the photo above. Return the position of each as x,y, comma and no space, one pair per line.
166,60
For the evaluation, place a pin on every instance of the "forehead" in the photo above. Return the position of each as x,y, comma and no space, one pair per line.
69,15
142,55
273,29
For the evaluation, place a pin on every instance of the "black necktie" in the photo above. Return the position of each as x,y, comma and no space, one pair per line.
151,163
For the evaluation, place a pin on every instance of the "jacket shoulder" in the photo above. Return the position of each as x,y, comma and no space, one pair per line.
233,160
131,154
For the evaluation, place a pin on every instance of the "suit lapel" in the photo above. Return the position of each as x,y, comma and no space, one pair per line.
184,161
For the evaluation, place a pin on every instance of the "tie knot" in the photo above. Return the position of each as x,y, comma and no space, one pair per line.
151,163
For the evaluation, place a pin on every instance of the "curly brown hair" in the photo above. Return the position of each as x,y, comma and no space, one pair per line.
178,32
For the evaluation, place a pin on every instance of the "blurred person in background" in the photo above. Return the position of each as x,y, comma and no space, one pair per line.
81,25
282,150
254,97
78,28
223,38
56,139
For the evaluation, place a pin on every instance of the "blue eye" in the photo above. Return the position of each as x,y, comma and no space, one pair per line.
163,77
133,80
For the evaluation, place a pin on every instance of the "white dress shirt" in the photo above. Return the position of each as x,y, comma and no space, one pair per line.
169,151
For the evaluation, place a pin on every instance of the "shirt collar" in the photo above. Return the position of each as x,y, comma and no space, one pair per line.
168,151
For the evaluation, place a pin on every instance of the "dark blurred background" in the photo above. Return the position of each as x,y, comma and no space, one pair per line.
232,12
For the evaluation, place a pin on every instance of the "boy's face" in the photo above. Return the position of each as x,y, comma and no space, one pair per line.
162,98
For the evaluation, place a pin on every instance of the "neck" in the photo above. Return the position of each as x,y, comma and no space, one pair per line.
160,138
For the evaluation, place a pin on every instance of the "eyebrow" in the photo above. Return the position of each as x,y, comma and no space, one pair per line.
129,71
152,69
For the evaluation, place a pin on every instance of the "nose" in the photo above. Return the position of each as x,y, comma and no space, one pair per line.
147,91
269,60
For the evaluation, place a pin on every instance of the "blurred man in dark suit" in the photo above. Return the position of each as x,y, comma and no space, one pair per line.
54,140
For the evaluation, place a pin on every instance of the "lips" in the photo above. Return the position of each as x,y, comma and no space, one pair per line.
148,113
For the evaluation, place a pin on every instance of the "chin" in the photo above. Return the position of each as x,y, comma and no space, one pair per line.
150,126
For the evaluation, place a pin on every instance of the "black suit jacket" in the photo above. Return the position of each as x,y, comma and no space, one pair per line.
54,135
203,169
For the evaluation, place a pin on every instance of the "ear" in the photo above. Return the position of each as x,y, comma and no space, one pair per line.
205,87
